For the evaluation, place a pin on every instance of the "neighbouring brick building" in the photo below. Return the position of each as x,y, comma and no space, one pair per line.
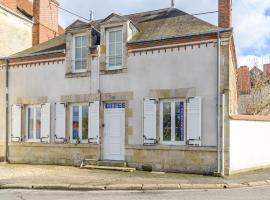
24,23
243,80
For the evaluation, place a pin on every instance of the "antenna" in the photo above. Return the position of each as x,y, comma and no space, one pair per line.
172,4
91,15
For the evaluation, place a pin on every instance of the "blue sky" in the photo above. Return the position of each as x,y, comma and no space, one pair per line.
251,19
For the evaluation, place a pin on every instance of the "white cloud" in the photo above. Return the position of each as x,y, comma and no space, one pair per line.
252,60
251,25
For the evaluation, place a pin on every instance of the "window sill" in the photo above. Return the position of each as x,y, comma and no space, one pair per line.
114,71
78,75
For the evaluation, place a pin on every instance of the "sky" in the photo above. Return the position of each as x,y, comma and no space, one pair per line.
251,20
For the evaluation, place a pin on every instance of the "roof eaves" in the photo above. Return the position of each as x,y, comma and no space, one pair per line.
181,36
21,16
34,54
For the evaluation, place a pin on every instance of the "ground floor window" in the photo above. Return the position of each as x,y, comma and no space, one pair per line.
79,123
172,122
33,123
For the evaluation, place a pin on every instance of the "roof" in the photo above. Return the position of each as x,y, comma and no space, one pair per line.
154,24
57,43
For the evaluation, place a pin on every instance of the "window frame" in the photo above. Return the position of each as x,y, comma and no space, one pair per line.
173,141
80,105
34,139
108,31
74,70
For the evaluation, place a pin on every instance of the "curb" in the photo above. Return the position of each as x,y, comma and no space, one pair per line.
130,187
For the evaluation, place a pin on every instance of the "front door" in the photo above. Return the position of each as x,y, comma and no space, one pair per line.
114,135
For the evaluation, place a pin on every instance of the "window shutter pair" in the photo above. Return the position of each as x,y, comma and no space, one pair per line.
16,123
93,125
194,112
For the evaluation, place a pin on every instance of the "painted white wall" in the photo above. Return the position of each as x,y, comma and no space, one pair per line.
16,33
249,144
190,68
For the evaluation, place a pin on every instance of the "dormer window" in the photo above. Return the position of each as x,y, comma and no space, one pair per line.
114,53
80,53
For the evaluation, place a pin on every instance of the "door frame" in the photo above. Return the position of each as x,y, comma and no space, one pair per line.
111,110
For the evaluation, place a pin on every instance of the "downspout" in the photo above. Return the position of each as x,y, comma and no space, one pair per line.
218,105
7,105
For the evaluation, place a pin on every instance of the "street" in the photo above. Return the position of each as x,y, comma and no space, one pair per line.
256,193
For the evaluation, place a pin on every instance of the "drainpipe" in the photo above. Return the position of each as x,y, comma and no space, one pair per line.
7,105
218,104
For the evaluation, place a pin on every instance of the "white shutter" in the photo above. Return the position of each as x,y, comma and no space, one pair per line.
194,115
93,122
16,123
60,122
150,121
45,122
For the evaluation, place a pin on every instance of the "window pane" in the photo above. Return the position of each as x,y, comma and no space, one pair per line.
78,41
84,52
84,122
75,122
78,65
84,41
119,48
111,36
38,123
118,36
179,121
167,121
78,53
112,49
112,61
30,120
118,60
83,64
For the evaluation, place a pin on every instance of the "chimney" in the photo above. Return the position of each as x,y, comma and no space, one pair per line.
225,13
266,72
11,4
45,14
243,80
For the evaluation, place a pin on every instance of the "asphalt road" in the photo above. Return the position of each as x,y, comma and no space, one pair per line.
259,193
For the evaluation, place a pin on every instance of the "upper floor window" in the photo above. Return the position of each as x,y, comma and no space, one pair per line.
114,48
80,53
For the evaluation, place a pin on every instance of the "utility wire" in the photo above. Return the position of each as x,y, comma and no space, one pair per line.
77,15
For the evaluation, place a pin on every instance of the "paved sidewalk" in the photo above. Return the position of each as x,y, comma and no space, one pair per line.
72,178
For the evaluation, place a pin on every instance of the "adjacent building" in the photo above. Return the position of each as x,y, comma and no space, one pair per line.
24,23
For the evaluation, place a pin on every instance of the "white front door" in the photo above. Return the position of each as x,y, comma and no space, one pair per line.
114,135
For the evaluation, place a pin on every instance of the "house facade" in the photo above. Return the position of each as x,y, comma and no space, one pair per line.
153,89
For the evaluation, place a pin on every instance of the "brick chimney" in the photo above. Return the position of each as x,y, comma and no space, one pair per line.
225,13
266,71
243,80
11,4
45,20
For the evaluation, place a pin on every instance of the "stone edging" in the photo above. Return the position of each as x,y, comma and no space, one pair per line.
137,187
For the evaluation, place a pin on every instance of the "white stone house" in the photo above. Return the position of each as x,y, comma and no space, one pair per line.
154,89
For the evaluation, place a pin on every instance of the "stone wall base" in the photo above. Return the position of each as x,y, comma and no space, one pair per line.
199,160
56,154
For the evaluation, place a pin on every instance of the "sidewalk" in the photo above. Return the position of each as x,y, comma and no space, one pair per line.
72,178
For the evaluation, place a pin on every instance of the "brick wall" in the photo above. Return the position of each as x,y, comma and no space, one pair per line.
243,80
225,13
266,71
12,4
45,21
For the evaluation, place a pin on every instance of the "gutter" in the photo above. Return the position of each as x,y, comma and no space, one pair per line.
35,54
220,115
218,31
7,106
